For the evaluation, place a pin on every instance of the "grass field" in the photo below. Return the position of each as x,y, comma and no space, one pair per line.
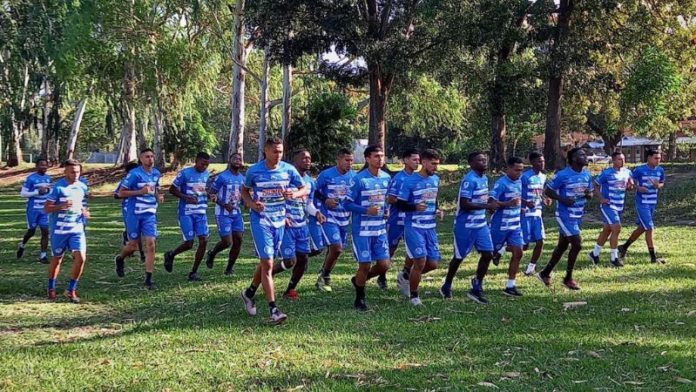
636,332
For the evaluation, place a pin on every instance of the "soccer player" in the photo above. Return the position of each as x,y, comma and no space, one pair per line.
35,190
267,186
649,180
190,187
333,185
610,188
506,229
367,203
65,204
571,188
418,198
533,202
140,189
295,247
470,227
228,212
395,223
124,210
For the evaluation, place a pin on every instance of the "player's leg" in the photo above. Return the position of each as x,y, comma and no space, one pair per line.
484,245
575,242
43,258
463,243
558,251
187,229
224,226
149,243
379,251
614,244
644,222
27,236
414,280
58,244
359,284
200,224
78,245
288,249
236,247
515,242
336,237
298,271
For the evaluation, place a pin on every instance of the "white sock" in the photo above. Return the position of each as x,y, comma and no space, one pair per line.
510,283
42,255
614,254
22,245
597,250
531,267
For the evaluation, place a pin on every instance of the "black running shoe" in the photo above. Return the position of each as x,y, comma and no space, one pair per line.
512,292
194,277
229,271
360,305
496,258
168,261
20,251
44,260
149,286
382,282
594,259
622,251
477,296
209,260
118,260
617,263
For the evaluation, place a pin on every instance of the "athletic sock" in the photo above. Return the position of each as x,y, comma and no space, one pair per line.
22,245
510,283
614,254
531,267
72,286
597,250
405,272
360,292
42,255
653,256
325,274
627,243
272,306
414,294
477,284
52,283
148,277
251,291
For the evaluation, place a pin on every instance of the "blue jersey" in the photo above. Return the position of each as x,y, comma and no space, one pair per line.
191,182
396,217
368,191
533,190
296,213
643,176
124,201
474,188
417,189
613,184
267,186
572,184
228,187
334,185
506,218
72,220
34,183
136,180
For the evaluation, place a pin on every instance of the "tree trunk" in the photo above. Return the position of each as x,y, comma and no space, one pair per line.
287,98
239,57
45,120
157,139
380,86
144,125
264,111
552,139
14,156
498,122
129,146
672,147
75,128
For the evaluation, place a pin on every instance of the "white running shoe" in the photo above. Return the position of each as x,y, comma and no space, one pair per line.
249,304
278,317
403,284
416,301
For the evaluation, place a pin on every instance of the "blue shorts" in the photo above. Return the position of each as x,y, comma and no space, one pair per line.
395,232
36,218
141,224
335,234
532,229
569,227
295,240
316,235
267,239
369,249
194,225
467,239
73,242
422,243
228,224
644,217
501,238
610,216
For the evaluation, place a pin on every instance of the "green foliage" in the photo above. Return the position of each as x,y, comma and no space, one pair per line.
325,126
191,137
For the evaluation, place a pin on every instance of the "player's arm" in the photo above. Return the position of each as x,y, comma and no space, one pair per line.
51,204
598,191
553,195
26,193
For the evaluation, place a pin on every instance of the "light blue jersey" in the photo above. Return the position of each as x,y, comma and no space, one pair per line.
569,183
417,189
613,184
69,221
191,182
267,186
33,185
228,187
368,191
334,185
506,218
533,190
136,180
396,217
475,188
296,208
643,175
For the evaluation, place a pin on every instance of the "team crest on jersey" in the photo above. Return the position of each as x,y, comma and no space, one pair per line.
269,250
336,236
190,233
59,250
466,184
385,184
419,250
134,235
365,253
288,251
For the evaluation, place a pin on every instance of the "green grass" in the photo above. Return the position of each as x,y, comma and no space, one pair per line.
637,331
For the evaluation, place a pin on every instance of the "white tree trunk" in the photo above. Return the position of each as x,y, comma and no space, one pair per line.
144,125
128,147
157,140
264,112
239,57
75,128
287,100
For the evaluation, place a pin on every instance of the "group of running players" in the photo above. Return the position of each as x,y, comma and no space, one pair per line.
294,217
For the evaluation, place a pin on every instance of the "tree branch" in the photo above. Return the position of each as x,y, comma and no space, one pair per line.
247,70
